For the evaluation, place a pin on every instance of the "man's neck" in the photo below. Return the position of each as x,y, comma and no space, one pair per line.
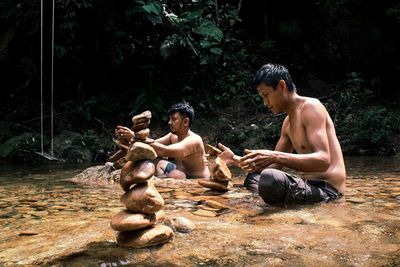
294,102
183,134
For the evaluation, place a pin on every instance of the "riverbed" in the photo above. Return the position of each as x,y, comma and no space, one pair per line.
48,220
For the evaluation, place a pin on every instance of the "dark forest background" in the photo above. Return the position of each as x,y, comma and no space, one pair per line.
114,59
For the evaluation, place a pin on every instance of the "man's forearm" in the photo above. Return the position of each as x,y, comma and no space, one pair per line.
313,162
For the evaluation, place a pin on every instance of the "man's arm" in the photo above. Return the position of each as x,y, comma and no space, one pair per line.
314,118
165,140
181,149
284,143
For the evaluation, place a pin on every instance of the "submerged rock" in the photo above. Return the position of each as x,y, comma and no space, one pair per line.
160,234
181,224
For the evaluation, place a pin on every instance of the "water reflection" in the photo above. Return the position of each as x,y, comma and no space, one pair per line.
47,219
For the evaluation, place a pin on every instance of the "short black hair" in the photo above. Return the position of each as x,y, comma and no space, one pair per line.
270,74
184,108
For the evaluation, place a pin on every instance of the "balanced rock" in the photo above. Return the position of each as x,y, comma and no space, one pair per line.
136,173
143,198
140,126
212,151
127,221
144,116
159,234
139,151
142,134
221,172
215,185
181,224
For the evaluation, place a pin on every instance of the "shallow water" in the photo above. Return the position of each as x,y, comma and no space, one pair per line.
46,219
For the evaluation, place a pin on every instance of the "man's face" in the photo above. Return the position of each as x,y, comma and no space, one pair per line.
176,122
272,98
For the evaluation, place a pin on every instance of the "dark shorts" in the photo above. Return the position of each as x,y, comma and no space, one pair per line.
172,166
276,187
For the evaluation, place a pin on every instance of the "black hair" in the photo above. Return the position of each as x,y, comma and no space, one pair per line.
184,108
270,74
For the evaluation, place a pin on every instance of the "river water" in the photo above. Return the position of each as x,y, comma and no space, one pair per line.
48,220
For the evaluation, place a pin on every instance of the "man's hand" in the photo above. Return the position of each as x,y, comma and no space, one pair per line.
124,133
256,160
228,156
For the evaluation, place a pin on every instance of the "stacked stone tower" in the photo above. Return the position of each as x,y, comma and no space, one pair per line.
140,225
220,173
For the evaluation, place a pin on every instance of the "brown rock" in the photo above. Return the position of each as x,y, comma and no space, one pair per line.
140,126
127,221
221,172
143,198
204,213
144,116
215,185
142,134
139,151
150,237
212,151
117,155
181,224
136,173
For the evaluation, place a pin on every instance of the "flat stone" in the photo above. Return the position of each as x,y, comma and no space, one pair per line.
215,204
357,200
212,151
142,134
204,213
139,151
143,198
144,116
221,172
136,173
181,224
140,126
215,185
160,234
127,221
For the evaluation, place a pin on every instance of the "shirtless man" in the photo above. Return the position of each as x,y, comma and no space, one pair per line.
181,143
309,131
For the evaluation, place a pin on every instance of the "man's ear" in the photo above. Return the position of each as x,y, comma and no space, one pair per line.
282,85
186,121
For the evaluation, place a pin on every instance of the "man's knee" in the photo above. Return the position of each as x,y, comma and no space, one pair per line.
251,181
272,186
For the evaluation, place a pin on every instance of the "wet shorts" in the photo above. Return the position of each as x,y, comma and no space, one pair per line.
170,167
276,187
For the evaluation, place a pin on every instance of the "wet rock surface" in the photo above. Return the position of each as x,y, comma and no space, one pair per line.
41,211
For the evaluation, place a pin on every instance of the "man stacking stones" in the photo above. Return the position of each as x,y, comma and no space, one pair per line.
125,137
139,225
220,173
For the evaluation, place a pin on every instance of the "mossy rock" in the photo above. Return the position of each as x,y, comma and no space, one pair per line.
20,148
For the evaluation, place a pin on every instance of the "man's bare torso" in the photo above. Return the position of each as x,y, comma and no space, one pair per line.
195,164
296,131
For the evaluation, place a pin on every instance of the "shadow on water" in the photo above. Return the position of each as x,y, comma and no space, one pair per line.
46,219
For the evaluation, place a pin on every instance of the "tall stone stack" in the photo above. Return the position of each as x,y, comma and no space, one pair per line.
140,225
220,173
142,132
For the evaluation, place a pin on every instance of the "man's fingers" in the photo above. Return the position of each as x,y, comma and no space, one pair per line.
222,146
